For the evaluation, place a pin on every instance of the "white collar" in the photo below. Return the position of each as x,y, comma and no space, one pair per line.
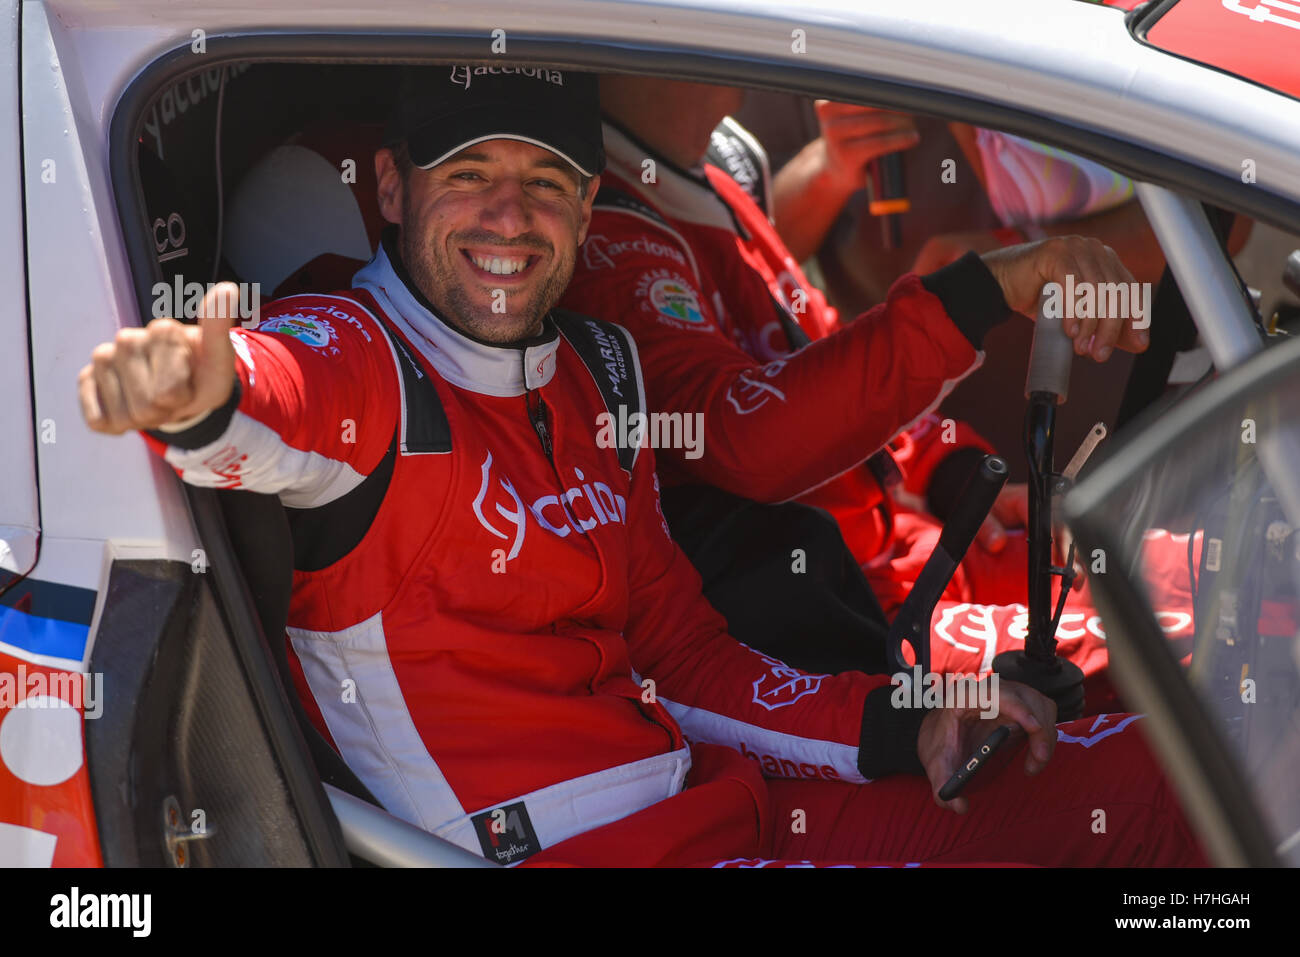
683,195
464,362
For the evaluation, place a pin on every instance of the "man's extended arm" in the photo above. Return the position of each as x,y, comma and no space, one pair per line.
773,431
260,411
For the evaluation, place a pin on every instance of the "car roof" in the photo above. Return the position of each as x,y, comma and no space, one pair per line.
1253,39
1074,63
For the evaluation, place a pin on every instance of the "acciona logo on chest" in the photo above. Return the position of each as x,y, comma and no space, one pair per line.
500,508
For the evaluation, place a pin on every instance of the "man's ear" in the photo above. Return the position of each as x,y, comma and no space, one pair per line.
390,186
585,222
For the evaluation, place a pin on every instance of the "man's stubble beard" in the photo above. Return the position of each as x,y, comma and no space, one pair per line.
437,280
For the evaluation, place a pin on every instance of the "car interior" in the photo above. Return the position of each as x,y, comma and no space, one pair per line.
265,175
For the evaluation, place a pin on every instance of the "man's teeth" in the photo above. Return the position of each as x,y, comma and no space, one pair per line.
499,266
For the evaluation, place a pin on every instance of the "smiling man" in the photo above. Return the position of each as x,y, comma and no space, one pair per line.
492,257
489,620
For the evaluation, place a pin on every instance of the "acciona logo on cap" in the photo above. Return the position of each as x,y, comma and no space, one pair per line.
463,75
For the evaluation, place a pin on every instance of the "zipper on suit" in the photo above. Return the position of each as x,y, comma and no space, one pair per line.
537,412
538,417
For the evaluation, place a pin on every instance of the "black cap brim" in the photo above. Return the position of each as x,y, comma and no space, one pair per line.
440,115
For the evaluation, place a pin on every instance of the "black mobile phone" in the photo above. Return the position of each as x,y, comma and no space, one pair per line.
977,761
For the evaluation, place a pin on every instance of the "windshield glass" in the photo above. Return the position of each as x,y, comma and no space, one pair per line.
1206,530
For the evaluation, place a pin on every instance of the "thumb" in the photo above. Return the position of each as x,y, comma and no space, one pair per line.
214,360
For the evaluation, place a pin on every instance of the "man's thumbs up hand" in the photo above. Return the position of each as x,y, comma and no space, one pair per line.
164,373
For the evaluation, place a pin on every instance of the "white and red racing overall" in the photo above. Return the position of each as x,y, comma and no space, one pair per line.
488,615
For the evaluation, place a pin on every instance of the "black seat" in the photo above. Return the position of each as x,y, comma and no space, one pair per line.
263,548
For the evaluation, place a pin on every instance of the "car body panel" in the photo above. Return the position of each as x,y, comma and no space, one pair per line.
19,514
46,814
47,817
1254,39
77,300
1081,66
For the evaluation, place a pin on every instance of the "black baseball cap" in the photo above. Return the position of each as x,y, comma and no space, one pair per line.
442,110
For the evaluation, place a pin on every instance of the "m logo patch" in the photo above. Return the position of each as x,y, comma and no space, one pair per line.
506,834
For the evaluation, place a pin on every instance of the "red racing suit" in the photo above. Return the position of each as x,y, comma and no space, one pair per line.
692,255
491,624
692,265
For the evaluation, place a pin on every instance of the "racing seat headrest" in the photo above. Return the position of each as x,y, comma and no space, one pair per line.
305,217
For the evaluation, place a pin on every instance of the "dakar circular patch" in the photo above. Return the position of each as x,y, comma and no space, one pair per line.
675,300
306,329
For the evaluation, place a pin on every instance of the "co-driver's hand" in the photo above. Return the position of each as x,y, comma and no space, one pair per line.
166,372
1023,270
949,736
853,136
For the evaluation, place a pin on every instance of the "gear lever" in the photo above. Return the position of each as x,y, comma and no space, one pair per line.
1038,666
